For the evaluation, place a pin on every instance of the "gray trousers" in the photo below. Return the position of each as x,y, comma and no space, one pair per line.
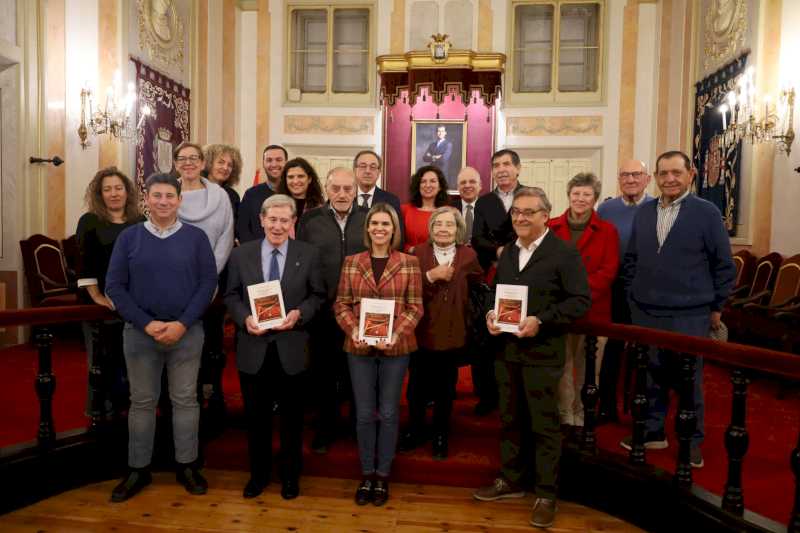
145,359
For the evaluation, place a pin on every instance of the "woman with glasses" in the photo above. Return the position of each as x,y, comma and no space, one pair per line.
598,243
448,268
428,191
377,372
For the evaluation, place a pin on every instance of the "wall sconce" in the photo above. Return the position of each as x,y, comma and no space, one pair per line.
116,118
774,125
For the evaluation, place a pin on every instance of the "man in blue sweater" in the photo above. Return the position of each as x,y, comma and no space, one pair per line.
161,278
678,272
633,180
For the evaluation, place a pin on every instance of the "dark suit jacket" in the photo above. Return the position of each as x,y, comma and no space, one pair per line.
558,293
248,227
445,150
394,201
491,228
303,289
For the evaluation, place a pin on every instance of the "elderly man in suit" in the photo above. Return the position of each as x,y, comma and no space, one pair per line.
469,187
367,168
531,361
271,362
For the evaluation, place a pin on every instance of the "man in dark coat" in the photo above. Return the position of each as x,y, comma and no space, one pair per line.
530,364
248,226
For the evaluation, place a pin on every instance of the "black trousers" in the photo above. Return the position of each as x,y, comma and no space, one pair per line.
329,373
258,392
432,376
482,368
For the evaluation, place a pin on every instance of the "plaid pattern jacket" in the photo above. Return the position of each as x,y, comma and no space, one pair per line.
401,281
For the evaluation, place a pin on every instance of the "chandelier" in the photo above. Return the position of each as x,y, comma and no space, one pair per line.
744,120
116,118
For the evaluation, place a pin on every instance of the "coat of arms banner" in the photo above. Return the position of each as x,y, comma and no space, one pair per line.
718,176
169,127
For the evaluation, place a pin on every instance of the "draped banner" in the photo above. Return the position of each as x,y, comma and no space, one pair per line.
717,166
161,133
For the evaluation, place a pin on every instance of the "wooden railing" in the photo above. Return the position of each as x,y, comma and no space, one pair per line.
640,339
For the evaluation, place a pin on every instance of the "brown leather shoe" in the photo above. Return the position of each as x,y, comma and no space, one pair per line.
544,512
501,488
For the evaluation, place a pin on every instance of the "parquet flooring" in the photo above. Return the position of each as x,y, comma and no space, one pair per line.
324,505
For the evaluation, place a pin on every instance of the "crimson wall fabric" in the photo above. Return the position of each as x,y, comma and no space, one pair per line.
163,131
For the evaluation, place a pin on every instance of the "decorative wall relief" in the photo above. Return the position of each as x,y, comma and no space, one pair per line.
568,126
328,125
725,29
161,32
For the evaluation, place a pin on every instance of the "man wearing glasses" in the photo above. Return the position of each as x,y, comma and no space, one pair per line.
633,180
367,167
530,362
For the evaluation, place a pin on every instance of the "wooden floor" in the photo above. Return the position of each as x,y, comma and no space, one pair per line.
325,505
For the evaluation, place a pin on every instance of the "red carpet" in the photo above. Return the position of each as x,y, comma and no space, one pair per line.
771,423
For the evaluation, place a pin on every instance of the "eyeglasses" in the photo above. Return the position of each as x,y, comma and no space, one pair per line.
626,175
526,213
187,159
364,166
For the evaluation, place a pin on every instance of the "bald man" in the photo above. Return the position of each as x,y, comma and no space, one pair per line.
469,188
337,229
633,180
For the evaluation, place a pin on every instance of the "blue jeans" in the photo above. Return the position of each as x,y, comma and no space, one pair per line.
377,385
145,359
663,371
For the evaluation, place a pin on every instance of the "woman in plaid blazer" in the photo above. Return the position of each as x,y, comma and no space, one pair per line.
377,372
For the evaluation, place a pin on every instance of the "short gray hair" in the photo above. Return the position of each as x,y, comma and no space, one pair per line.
344,170
461,226
279,200
536,192
585,179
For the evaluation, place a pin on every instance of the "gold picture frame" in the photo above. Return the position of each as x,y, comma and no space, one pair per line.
427,150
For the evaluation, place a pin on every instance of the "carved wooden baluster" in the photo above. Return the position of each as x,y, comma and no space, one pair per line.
45,387
590,396
96,376
736,442
687,421
639,405
794,520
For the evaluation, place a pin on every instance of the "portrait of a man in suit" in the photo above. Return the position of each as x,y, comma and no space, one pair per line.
441,144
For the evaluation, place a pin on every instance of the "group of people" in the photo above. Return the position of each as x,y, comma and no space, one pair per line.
663,263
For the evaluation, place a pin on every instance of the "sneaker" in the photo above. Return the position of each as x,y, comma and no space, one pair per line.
136,480
500,489
652,442
192,480
544,512
696,457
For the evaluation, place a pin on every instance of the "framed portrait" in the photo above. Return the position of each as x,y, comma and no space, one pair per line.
441,143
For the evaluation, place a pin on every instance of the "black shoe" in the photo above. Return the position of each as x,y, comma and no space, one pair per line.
381,492
484,408
321,443
136,480
440,447
192,480
409,441
364,492
255,486
290,489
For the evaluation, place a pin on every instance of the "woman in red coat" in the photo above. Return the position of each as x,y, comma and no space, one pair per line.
428,192
448,267
377,372
598,243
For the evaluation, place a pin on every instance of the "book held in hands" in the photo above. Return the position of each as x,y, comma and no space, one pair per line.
510,306
375,321
266,304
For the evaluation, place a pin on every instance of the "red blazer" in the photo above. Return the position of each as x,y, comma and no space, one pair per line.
443,327
599,248
401,281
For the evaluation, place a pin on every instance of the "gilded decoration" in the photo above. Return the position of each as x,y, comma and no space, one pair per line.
161,32
725,28
328,125
555,126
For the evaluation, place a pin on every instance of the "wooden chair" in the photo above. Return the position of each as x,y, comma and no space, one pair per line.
46,272
762,282
71,257
786,291
745,268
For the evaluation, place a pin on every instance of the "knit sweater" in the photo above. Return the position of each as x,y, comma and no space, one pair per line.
210,210
621,215
150,278
692,273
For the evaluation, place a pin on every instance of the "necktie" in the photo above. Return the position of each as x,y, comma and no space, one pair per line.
365,200
274,268
469,219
